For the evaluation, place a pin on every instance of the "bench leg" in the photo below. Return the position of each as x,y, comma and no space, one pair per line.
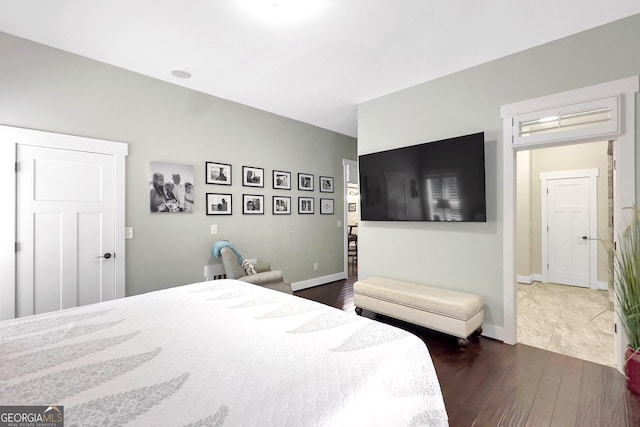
478,331
358,311
463,342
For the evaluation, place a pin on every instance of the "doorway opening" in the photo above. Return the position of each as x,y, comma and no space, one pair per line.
351,218
76,184
564,204
537,123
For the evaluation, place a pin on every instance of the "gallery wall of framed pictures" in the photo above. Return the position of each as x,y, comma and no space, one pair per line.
221,202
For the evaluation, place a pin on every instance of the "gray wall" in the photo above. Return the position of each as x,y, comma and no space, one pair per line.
469,256
47,89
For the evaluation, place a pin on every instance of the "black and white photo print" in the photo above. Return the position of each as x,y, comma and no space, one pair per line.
252,177
218,173
305,182
252,204
171,187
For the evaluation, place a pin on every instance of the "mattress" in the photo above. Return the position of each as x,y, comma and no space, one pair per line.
221,353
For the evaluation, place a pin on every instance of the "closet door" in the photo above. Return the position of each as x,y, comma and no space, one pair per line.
65,214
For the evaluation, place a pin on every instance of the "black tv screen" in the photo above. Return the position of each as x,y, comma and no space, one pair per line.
435,181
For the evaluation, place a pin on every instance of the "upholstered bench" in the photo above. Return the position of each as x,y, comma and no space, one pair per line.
455,313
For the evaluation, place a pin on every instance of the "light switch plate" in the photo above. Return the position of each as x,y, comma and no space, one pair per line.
214,229
128,232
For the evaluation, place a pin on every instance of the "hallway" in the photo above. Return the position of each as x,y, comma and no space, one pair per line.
569,320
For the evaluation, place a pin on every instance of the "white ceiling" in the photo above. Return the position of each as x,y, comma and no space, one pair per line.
314,67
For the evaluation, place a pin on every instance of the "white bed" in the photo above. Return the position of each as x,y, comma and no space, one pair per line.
218,353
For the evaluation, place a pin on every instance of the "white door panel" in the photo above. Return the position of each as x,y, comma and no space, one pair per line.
568,222
65,221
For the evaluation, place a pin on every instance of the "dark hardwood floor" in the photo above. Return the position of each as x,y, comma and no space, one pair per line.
494,384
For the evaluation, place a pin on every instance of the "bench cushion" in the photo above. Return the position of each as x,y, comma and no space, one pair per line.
445,302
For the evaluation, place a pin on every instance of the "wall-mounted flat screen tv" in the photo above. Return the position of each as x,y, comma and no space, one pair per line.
435,181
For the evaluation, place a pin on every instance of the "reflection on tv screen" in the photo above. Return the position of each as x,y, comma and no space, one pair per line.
436,181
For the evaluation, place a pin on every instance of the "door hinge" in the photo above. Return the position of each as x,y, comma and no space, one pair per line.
17,247
615,328
614,165
17,167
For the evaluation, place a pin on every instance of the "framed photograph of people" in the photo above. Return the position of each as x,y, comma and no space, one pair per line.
252,177
252,204
171,187
281,180
305,205
326,184
281,205
218,173
219,204
326,206
305,182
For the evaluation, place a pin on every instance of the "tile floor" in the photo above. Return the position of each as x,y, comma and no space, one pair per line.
569,320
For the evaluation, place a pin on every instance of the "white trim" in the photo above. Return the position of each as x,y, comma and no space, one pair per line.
493,331
624,179
602,131
10,137
592,175
345,215
349,167
602,286
317,281
575,173
525,280
7,230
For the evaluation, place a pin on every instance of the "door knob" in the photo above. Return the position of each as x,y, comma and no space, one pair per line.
105,256
585,238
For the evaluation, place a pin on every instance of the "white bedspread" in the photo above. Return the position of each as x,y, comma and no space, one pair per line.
218,353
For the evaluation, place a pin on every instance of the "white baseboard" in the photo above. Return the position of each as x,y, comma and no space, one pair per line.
492,331
602,286
317,281
527,280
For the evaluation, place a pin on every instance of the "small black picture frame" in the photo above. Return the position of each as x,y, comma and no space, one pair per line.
305,205
219,204
326,184
326,206
253,204
217,173
305,182
281,205
252,176
281,180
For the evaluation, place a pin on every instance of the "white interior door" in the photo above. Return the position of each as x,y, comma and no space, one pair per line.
568,231
65,231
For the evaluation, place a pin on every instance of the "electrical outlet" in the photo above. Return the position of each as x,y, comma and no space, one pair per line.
214,229
315,266
339,223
